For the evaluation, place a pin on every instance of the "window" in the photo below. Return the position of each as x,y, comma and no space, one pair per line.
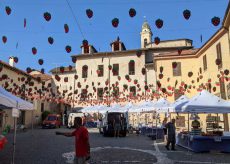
132,67
83,94
85,71
177,69
101,70
42,107
116,46
145,42
86,49
100,93
219,55
115,69
132,90
205,62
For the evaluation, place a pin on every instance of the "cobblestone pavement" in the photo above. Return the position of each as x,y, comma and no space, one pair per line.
44,147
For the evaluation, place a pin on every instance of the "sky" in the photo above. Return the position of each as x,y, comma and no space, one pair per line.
98,30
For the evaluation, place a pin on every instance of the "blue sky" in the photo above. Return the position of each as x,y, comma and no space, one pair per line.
97,30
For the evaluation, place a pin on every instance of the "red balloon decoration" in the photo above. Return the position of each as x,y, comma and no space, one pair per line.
161,76
187,14
132,12
66,27
47,16
62,69
68,49
143,71
74,59
174,65
85,43
215,21
190,74
28,70
89,13
34,51
226,72
218,61
138,53
40,61
156,40
70,67
57,78
8,10
115,22
50,40
16,59
159,23
42,70
4,39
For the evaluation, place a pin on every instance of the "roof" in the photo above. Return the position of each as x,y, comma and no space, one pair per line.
66,69
4,64
130,51
44,77
183,52
174,40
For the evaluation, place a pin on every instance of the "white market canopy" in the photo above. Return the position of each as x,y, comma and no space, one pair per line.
205,102
162,105
12,101
177,105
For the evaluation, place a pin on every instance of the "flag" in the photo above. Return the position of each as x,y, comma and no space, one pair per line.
201,38
17,45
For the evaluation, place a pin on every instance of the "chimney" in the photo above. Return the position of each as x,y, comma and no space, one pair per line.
11,61
89,49
117,45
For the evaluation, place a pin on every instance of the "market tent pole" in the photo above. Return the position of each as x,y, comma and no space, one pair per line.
15,132
32,122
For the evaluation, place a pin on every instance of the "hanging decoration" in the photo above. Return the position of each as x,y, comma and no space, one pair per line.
115,22
226,72
75,77
50,40
174,65
57,78
190,74
34,51
62,69
70,67
65,79
68,49
119,78
89,13
110,67
47,16
24,23
16,59
156,40
8,10
4,39
143,71
42,70
66,28
132,12
40,61
135,81
146,87
28,70
179,51
218,61
160,76
127,77
187,14
85,43
74,59
138,53
159,23
215,21
161,69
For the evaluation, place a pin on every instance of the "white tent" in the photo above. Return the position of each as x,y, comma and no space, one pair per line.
205,102
177,105
14,101
162,105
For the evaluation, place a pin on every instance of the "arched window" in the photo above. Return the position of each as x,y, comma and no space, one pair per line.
85,71
132,67
145,42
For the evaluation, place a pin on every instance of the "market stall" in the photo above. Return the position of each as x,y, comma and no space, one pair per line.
3,141
199,141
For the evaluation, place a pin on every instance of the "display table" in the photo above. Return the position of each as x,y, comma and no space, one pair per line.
152,132
2,141
204,143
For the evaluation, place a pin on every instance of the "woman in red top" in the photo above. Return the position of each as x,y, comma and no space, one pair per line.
82,147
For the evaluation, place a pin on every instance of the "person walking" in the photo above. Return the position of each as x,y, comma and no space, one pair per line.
171,134
117,125
82,147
